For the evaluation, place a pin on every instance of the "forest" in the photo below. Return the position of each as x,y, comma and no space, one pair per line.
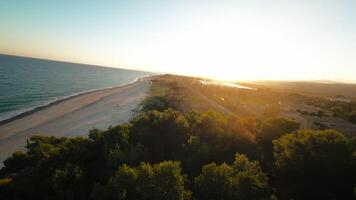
182,146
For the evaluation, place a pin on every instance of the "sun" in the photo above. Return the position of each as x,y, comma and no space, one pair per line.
231,47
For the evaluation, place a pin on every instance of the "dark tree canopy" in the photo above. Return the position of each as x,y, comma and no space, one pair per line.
243,180
52,167
271,129
158,181
316,164
162,133
194,155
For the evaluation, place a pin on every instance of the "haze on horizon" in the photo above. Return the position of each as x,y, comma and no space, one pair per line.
278,40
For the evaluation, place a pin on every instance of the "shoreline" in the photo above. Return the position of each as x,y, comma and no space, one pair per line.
75,115
63,99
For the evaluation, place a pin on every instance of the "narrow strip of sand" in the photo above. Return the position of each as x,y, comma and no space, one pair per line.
74,116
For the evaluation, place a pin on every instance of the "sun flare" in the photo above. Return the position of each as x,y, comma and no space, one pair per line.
227,46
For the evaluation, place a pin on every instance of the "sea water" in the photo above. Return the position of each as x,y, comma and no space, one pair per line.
27,83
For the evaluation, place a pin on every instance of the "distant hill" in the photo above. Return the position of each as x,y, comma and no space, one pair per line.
329,89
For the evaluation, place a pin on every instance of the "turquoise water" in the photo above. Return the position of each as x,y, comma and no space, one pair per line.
26,83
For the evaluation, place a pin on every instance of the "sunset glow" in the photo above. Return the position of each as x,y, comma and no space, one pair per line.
228,41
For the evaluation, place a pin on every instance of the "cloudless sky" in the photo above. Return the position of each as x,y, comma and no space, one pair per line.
311,39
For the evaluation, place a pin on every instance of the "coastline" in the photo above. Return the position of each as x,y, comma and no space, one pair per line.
50,103
74,115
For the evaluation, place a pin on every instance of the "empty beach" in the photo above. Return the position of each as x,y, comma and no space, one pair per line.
74,116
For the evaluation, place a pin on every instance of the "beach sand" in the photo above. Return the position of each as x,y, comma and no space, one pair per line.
74,116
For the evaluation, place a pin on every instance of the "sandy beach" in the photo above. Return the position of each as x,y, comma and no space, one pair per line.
74,116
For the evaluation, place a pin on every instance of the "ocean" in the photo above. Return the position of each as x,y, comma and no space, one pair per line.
27,83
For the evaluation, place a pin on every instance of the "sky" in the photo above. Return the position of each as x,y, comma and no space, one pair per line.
229,40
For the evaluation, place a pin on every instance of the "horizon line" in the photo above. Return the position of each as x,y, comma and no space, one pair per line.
334,81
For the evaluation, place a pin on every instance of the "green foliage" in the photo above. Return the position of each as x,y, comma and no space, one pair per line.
340,109
164,94
108,163
195,154
213,183
274,128
17,162
65,179
352,116
223,135
162,133
159,181
158,103
54,166
243,179
316,164
271,129
46,170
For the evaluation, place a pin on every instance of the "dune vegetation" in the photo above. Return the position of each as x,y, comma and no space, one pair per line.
190,141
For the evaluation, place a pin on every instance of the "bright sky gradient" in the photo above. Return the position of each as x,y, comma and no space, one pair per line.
242,40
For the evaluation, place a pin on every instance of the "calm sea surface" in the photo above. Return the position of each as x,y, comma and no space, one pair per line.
26,83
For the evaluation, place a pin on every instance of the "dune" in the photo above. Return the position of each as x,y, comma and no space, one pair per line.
74,116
